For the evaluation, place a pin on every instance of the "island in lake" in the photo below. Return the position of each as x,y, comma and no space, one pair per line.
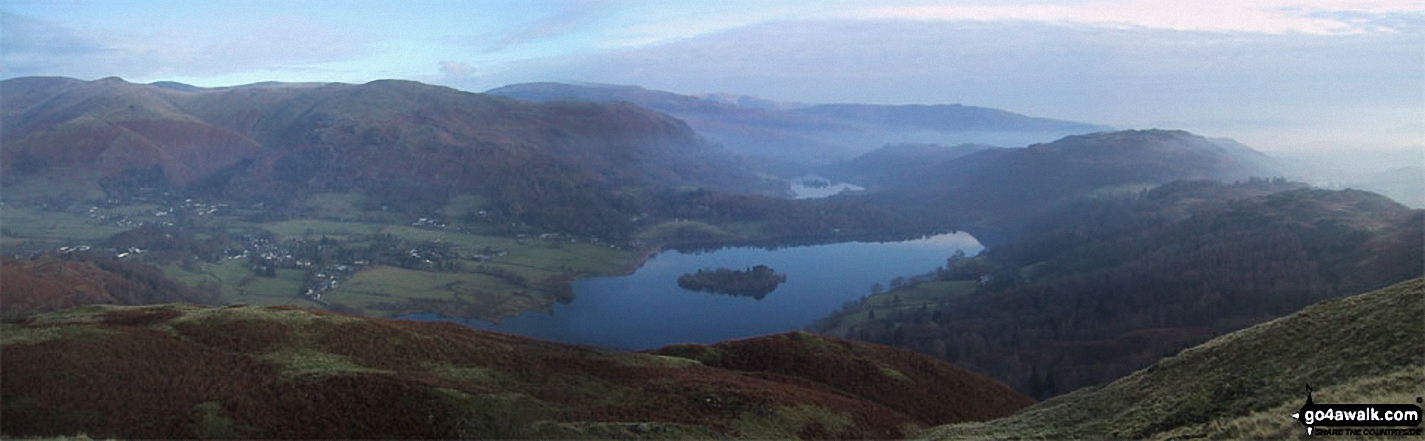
753,282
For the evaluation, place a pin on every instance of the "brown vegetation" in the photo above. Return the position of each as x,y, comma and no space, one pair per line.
928,390
189,372
51,282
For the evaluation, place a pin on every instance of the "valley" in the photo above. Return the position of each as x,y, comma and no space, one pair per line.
648,309
498,257
355,262
320,207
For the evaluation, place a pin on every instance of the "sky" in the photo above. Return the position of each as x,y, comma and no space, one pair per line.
1278,75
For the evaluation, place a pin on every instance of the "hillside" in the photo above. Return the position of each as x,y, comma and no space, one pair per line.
180,371
846,365
1360,349
992,191
53,282
886,166
1098,289
406,145
799,134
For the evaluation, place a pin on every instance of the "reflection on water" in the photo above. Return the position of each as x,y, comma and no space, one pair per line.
801,189
647,309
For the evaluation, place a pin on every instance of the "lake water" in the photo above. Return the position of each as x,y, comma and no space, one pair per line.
647,309
802,191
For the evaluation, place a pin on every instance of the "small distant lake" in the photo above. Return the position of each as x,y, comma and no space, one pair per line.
800,189
647,309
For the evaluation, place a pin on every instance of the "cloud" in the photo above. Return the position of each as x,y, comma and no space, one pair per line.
456,71
275,44
33,36
1262,16
571,17
37,45
34,46
1220,83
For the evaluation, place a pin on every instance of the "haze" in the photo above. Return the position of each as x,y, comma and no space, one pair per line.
1279,75
673,219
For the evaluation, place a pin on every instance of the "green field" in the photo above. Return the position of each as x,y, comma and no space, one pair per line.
316,227
686,229
58,227
394,291
238,285
497,275
904,300
525,273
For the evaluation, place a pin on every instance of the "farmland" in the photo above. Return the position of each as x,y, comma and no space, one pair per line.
329,251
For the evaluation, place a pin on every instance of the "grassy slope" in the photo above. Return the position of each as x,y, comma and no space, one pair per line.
1356,349
179,371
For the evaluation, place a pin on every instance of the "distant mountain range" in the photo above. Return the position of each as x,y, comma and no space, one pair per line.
584,159
407,145
1107,252
996,188
801,133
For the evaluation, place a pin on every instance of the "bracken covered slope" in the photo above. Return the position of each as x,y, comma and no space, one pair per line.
1361,349
181,371
51,282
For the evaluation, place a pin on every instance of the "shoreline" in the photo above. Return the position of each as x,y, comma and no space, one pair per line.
644,254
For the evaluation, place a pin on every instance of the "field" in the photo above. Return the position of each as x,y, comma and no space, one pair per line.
904,301
495,275
238,285
381,290
40,227
682,231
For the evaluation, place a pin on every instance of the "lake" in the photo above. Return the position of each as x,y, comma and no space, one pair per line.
647,309
800,189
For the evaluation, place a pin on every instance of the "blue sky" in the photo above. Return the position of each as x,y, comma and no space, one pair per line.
1279,75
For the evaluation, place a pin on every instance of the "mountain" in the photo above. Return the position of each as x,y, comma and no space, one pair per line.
885,167
182,371
814,134
1097,289
174,85
752,101
992,191
405,144
940,118
1247,384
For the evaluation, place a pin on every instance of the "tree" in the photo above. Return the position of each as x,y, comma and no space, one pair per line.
877,289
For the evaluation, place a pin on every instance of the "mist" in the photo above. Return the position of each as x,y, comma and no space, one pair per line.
789,219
